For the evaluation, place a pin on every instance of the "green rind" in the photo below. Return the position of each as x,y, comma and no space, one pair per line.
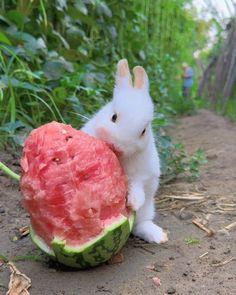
41,244
99,251
93,253
131,220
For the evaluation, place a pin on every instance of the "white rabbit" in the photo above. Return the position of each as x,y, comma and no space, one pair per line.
125,124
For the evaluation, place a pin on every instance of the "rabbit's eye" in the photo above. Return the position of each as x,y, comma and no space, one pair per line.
114,118
143,132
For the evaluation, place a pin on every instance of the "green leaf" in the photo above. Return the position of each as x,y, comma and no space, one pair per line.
61,4
15,17
79,4
4,39
61,38
160,120
30,43
70,54
103,9
19,84
5,20
59,94
4,258
53,69
191,241
77,15
142,54
78,108
12,127
112,31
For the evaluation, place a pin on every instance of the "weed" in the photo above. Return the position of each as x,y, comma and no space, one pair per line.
191,241
57,61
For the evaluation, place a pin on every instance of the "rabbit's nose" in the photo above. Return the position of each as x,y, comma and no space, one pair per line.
102,133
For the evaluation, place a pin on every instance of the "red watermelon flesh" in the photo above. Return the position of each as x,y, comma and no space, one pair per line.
73,185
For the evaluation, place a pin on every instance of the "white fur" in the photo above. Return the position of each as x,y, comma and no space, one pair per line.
139,158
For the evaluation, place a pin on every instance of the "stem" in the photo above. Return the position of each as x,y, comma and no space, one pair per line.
44,13
12,105
9,172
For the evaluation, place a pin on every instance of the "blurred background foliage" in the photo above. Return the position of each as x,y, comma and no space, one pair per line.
58,58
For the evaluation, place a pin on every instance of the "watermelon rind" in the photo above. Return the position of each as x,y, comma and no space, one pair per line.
41,244
94,252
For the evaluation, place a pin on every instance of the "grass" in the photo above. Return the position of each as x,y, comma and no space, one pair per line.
230,109
191,241
36,258
61,68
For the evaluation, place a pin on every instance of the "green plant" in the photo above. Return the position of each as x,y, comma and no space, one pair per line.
8,171
194,163
24,258
191,241
57,58
229,109
175,160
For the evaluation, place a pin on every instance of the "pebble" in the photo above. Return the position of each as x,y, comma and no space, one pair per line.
212,156
2,210
158,267
103,289
15,238
223,232
215,261
171,290
227,251
185,215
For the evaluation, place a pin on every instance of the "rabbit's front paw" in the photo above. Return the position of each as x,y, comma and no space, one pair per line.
136,201
150,232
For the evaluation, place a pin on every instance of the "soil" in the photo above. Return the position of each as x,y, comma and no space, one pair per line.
189,263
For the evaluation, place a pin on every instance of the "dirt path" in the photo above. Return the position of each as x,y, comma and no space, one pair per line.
179,265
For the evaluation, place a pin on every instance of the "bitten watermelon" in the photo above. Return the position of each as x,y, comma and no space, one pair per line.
75,192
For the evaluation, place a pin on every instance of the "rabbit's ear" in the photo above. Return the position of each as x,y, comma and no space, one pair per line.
123,77
140,78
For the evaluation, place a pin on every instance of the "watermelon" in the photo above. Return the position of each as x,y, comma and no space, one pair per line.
74,190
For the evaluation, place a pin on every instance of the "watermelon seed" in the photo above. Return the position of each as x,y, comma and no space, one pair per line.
91,212
57,160
68,137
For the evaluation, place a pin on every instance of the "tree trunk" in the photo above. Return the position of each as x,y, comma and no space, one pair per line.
220,75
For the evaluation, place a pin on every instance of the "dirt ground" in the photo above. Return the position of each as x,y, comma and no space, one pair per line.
190,263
